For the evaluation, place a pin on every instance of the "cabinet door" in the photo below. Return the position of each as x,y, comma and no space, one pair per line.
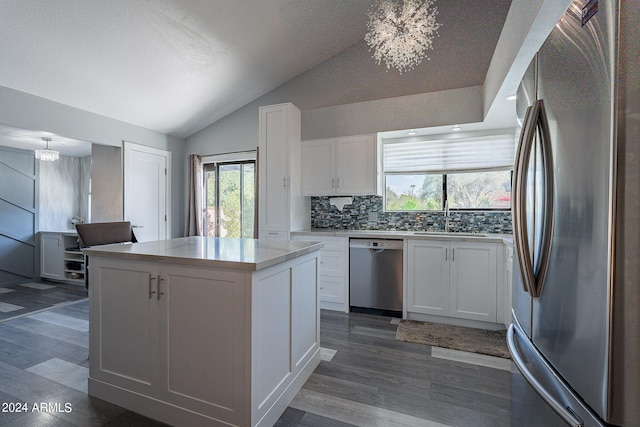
332,263
332,289
51,256
124,324
428,281
356,165
473,280
318,174
201,364
274,168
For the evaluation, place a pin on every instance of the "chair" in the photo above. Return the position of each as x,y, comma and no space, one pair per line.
103,233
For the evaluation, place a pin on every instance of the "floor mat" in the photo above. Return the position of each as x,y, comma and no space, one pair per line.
492,343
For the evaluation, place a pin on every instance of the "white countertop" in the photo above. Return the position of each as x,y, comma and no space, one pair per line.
236,254
399,234
70,232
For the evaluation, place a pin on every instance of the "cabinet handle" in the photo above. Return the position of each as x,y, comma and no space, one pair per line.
446,254
160,279
453,255
151,291
285,182
337,182
333,183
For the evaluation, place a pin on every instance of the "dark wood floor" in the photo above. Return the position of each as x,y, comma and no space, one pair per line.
371,380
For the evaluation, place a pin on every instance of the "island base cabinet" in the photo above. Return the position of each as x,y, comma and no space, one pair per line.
190,345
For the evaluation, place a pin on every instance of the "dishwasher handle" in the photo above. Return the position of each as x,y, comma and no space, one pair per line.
377,245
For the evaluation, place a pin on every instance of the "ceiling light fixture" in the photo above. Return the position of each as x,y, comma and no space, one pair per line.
401,34
456,128
412,132
45,154
511,98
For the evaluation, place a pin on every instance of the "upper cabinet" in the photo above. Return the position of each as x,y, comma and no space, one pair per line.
282,207
339,166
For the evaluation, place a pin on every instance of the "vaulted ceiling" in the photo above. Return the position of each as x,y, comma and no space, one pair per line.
176,66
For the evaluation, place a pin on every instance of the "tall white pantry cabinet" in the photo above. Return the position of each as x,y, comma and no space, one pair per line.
282,208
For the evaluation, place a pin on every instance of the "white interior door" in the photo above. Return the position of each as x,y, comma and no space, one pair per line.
146,191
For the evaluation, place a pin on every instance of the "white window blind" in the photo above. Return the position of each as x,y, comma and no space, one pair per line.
478,153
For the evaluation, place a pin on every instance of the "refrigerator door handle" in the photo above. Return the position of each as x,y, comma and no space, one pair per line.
542,124
565,412
535,119
520,235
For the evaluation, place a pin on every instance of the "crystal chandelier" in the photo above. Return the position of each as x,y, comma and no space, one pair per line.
401,34
45,154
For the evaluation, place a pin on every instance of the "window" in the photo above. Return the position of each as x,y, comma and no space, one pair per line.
470,172
229,189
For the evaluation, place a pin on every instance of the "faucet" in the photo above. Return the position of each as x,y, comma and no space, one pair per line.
446,216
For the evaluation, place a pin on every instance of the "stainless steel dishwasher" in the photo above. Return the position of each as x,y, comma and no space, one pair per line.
375,275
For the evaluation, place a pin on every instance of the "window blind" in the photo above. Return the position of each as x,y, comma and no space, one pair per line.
477,153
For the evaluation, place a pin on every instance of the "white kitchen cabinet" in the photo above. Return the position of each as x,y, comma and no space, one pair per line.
124,321
51,256
60,257
143,313
339,166
333,274
428,277
473,281
454,279
282,206
198,345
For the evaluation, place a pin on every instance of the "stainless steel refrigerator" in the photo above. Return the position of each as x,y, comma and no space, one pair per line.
575,335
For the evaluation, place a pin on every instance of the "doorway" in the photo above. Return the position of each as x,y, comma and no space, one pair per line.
147,191
230,199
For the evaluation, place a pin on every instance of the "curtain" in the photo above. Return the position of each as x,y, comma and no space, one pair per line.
492,152
194,225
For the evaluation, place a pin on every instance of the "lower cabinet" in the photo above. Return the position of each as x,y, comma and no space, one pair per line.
454,279
61,258
51,256
219,346
333,280
155,334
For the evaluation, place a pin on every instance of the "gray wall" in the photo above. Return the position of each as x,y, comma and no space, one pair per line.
18,215
107,197
329,113
26,111
345,96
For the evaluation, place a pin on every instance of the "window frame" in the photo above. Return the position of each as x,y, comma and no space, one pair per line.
213,162
444,192
442,139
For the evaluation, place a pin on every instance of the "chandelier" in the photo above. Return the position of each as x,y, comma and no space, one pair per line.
401,34
45,154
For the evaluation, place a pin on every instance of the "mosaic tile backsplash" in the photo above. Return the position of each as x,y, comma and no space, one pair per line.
367,213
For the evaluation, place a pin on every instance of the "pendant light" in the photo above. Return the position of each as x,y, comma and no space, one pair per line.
46,154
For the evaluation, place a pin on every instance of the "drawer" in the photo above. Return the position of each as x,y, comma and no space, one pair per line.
332,289
333,263
274,235
331,243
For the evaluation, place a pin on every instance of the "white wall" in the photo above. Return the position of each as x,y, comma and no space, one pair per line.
26,111
63,192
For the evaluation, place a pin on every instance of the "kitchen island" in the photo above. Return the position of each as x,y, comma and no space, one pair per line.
203,331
